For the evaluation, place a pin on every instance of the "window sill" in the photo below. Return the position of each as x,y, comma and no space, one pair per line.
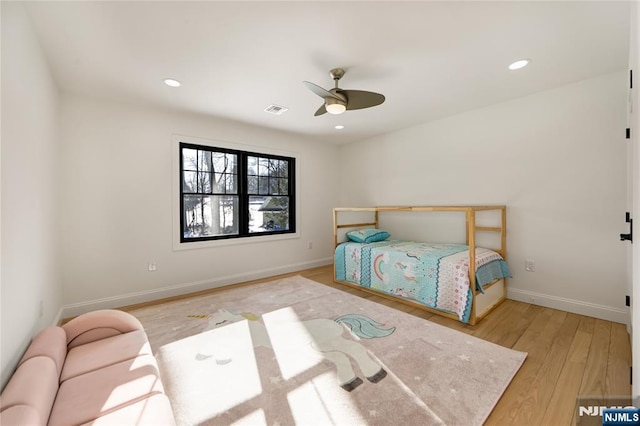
178,246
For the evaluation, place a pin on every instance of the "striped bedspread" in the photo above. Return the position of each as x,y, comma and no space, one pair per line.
436,275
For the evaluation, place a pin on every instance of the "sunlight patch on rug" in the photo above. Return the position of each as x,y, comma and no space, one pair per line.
296,352
291,342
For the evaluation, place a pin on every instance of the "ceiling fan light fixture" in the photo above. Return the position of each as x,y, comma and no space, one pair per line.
335,106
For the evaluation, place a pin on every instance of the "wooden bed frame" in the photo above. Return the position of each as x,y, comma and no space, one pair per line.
482,303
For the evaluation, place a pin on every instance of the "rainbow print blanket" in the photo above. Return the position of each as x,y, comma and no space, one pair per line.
436,275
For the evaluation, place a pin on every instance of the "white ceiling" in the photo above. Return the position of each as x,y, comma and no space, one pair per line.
430,59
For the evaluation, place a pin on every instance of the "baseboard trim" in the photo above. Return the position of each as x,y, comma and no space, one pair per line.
58,318
75,309
604,312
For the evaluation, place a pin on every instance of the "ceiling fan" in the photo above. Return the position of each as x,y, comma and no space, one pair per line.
337,100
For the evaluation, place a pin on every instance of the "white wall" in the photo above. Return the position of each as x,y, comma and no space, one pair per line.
116,192
556,159
30,271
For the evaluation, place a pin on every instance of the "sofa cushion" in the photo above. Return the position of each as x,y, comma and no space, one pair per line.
98,325
112,350
20,415
152,411
86,397
33,384
50,342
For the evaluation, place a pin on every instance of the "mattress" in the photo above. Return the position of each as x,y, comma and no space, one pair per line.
435,275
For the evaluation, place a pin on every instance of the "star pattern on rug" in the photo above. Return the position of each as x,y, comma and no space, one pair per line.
373,413
433,358
417,378
453,391
275,380
439,342
464,357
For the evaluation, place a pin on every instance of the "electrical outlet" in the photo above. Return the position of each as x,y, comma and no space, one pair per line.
530,265
152,266
310,245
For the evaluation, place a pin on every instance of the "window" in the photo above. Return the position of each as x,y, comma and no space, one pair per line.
226,193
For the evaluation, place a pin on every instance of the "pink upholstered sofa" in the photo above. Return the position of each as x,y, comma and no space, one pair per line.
96,369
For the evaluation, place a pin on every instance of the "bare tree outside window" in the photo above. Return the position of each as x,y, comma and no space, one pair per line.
209,187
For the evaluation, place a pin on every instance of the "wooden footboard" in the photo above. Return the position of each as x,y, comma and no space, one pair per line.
482,303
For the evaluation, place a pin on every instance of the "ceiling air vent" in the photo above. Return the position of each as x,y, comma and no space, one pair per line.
276,109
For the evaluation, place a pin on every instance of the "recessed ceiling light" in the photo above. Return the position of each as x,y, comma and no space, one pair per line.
339,127
519,64
171,82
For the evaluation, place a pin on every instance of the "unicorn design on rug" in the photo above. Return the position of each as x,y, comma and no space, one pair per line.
321,336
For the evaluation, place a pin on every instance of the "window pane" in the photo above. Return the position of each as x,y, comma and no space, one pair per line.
225,184
218,186
277,186
276,168
189,159
252,165
268,214
232,163
284,168
273,167
208,216
204,183
190,182
252,182
204,161
231,184
263,185
219,162
192,217
283,186
263,166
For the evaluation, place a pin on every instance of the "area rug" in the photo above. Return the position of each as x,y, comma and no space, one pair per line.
296,352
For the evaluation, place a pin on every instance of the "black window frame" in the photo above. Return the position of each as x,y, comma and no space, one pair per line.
242,193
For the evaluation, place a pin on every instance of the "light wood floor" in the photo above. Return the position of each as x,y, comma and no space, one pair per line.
569,355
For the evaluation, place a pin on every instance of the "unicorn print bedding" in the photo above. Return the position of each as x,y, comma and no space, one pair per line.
435,275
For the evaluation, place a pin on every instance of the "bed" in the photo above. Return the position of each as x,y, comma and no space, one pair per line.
444,278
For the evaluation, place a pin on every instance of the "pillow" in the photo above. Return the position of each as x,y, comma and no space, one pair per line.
368,235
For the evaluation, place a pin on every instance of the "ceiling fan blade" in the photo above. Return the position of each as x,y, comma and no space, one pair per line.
358,99
320,111
320,91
